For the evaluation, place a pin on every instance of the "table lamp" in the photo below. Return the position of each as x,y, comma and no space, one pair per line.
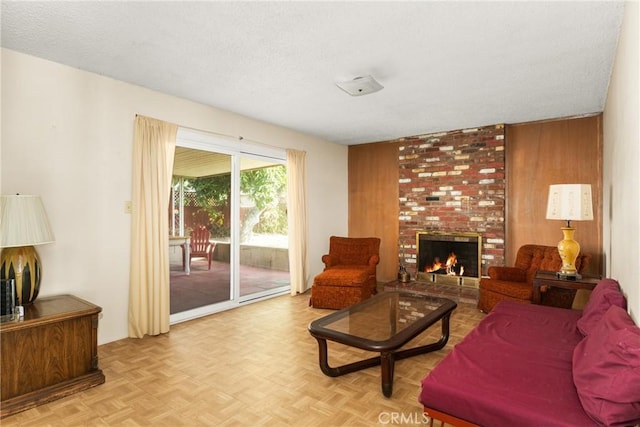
23,224
569,202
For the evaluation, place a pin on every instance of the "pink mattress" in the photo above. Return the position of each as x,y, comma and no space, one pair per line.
513,369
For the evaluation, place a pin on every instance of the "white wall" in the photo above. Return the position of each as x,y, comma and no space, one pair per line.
67,135
621,179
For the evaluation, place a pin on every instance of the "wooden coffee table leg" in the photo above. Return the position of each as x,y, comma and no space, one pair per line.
344,369
387,363
324,359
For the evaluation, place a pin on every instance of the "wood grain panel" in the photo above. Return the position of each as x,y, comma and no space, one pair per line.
373,200
538,154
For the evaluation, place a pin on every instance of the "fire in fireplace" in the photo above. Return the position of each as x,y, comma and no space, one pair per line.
450,267
450,254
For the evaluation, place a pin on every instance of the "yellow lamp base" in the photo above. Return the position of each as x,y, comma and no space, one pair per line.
568,250
23,265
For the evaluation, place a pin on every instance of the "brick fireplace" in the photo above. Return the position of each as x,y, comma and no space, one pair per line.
453,182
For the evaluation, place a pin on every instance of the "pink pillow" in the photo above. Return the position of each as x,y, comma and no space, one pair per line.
606,370
604,295
606,284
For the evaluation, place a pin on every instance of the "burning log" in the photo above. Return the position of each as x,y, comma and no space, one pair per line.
448,266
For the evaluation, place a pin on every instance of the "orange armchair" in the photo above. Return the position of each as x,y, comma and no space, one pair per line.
200,246
349,275
516,283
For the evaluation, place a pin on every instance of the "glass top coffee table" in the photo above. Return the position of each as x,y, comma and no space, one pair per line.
383,324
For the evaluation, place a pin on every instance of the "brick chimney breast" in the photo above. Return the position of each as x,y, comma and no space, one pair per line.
453,182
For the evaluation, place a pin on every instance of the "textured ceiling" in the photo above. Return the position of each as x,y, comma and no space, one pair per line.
443,65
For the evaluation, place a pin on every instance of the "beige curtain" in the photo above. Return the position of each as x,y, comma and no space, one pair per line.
153,149
297,219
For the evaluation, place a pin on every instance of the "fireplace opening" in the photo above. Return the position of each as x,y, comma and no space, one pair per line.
449,254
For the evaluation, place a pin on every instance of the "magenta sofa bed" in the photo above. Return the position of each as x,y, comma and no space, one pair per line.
532,365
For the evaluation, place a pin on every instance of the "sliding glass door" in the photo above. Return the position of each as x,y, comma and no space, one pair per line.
228,226
263,240
200,230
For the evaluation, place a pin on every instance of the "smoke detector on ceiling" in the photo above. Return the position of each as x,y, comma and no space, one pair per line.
360,86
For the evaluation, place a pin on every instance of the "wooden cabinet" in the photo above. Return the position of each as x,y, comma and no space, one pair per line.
50,353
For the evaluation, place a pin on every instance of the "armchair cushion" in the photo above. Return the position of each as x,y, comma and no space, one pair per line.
352,251
515,289
343,276
512,274
334,261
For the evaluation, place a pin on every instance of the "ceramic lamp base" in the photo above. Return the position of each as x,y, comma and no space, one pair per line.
23,265
568,250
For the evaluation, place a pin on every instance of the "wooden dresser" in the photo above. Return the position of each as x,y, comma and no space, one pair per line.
51,353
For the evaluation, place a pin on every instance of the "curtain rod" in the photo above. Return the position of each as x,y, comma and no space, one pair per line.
238,137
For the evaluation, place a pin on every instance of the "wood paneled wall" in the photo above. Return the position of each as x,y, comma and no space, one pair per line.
567,151
373,200
537,155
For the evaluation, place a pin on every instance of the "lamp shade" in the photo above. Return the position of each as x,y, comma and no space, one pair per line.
570,202
23,222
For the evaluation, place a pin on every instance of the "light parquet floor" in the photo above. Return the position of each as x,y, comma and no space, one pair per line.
252,366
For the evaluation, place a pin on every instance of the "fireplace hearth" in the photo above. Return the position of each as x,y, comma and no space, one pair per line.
450,258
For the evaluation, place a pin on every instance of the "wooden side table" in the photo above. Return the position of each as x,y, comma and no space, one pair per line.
50,353
544,279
